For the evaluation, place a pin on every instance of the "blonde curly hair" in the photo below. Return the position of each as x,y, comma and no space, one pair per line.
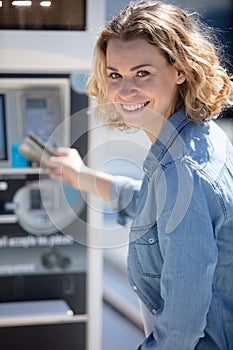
208,88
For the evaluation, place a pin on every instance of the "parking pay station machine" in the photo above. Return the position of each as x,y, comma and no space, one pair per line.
42,222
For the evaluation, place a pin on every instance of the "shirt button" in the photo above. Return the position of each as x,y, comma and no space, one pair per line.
153,311
151,240
135,287
145,169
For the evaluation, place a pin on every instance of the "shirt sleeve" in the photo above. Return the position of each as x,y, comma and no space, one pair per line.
185,223
124,196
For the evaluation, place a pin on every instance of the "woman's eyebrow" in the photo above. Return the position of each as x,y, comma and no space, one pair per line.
133,68
141,66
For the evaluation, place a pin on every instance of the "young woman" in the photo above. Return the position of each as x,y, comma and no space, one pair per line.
156,69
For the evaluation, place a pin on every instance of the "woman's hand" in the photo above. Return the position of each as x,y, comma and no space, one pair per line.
66,165
69,166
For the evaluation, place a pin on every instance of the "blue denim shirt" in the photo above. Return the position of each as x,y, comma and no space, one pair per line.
180,257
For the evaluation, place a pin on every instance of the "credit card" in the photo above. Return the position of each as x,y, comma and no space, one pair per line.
33,148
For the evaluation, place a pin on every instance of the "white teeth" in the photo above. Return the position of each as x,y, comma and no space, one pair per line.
131,107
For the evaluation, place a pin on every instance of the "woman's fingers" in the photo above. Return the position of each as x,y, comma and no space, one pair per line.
54,173
52,162
62,151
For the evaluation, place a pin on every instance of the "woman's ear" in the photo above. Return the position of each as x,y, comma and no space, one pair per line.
180,77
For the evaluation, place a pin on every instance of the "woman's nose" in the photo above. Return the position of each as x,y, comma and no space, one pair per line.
127,88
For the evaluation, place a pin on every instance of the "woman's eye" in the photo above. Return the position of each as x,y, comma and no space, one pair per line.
143,73
114,75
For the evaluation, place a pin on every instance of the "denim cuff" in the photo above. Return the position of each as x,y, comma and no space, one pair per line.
122,195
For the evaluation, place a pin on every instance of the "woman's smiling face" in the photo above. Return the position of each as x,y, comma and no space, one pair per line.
141,83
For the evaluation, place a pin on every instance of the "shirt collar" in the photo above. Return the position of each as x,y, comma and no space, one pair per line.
166,137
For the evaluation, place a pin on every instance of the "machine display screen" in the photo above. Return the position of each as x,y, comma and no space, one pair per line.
3,147
41,113
36,103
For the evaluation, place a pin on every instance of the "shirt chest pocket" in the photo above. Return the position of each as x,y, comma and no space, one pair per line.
145,252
